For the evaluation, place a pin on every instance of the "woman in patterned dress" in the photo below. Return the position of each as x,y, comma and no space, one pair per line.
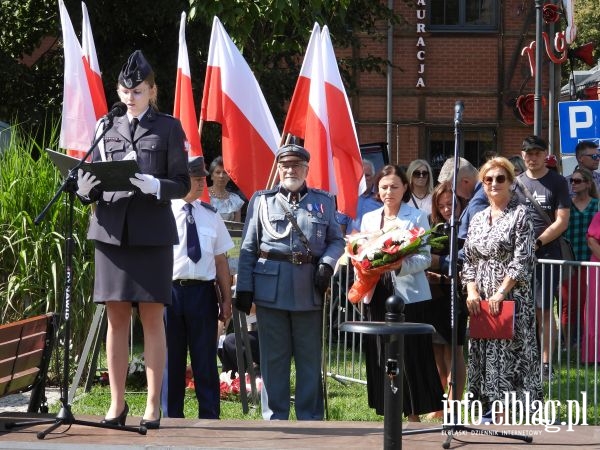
228,204
498,265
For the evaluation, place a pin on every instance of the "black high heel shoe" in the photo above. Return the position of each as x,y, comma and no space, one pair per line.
151,424
119,420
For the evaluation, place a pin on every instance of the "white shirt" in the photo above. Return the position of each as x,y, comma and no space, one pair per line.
214,240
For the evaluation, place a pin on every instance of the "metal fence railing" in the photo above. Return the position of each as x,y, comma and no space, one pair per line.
575,362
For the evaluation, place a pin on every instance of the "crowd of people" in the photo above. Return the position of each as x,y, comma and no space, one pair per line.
163,253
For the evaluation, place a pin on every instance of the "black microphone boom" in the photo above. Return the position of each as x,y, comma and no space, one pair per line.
118,109
459,106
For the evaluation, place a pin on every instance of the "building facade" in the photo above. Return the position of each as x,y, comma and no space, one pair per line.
446,51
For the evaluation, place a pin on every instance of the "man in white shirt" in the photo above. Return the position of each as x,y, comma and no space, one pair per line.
201,296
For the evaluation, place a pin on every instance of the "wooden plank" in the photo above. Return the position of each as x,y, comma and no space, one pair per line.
23,380
9,349
22,352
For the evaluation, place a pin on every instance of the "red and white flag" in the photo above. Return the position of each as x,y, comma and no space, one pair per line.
92,68
233,98
78,115
320,114
183,107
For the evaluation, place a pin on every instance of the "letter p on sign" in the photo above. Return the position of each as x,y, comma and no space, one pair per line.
580,117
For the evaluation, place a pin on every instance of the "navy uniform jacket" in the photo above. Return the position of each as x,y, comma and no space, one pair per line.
160,145
282,284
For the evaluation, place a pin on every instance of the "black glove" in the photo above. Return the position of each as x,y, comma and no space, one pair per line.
243,301
323,276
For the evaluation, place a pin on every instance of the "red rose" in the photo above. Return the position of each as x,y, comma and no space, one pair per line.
365,264
550,13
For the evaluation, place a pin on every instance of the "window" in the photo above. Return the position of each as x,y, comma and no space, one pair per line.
477,146
463,15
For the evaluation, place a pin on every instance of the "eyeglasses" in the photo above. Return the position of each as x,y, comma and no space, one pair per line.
294,166
594,156
421,173
499,179
577,180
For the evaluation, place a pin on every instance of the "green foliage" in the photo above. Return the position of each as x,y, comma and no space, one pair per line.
32,257
587,16
272,35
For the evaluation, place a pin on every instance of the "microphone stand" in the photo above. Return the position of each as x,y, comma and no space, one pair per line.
454,428
65,415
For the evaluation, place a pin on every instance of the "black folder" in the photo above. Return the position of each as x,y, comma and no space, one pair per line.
113,175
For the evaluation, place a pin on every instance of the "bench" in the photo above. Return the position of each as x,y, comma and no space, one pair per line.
25,350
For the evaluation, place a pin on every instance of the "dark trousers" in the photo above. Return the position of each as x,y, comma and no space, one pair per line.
229,354
191,323
283,335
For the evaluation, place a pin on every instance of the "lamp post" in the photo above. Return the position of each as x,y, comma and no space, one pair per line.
537,94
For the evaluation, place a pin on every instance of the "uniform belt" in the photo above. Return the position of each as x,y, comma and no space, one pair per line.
294,258
192,282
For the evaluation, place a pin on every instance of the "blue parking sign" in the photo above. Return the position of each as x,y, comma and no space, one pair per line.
578,121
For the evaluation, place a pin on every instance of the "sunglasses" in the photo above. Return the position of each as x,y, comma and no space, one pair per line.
420,173
499,179
577,180
594,156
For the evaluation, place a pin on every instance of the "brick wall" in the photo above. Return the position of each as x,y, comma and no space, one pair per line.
484,70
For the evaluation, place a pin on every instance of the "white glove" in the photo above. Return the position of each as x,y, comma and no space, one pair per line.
146,183
85,182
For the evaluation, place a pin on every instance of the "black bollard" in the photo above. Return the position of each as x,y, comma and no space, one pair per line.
394,377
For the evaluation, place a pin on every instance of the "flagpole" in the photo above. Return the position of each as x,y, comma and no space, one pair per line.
285,139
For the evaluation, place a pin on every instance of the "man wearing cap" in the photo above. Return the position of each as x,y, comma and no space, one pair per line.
290,244
191,320
588,157
550,190
134,231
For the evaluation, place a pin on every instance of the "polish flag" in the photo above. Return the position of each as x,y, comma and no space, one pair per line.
78,115
320,114
183,107
233,98
92,68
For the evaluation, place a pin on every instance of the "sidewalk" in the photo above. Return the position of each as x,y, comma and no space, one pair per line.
20,402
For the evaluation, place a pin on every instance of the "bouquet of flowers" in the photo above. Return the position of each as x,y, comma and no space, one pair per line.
373,254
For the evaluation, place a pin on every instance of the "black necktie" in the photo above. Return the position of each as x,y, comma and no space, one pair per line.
193,243
133,126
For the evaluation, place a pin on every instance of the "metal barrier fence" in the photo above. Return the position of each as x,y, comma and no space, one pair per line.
575,362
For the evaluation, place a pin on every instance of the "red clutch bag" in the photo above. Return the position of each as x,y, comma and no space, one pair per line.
486,326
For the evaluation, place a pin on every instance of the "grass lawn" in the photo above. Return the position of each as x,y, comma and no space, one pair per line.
347,401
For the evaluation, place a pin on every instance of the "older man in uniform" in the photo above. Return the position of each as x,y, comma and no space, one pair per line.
290,244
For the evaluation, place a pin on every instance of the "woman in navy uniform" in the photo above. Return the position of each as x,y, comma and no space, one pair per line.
134,232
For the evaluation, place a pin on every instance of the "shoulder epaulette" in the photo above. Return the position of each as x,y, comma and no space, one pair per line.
321,191
268,191
208,206
160,113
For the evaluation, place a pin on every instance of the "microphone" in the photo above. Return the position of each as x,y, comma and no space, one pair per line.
118,109
459,107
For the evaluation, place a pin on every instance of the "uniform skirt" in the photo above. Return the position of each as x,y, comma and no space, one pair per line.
140,274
